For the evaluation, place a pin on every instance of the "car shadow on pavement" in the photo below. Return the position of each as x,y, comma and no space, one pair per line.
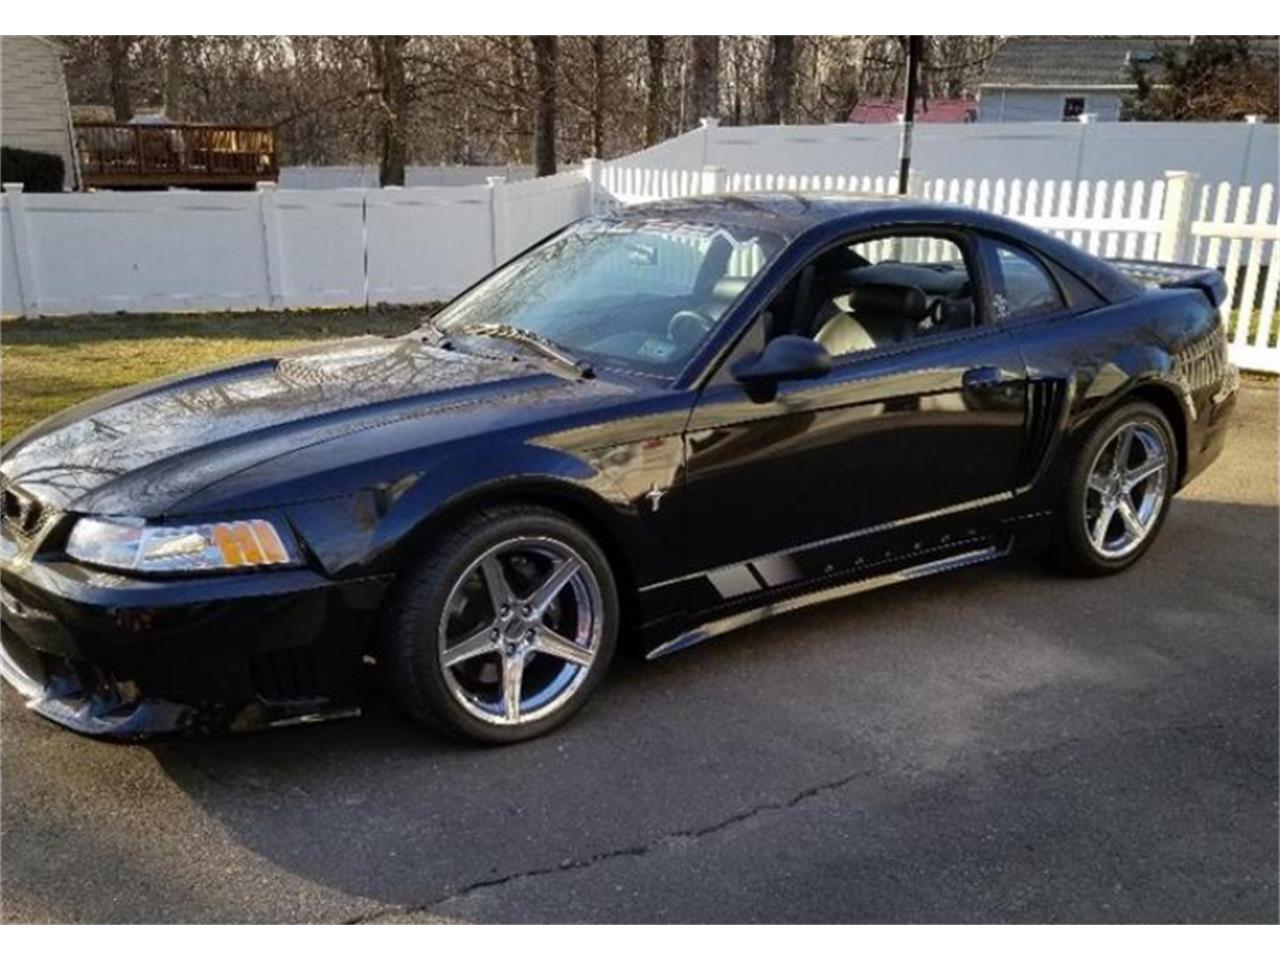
1087,720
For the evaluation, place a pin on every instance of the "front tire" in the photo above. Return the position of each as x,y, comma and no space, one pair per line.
504,628
1119,492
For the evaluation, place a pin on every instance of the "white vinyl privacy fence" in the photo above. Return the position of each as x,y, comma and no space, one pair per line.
293,248
366,175
181,250
1238,153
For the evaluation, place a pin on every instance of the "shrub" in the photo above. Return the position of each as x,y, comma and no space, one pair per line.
37,172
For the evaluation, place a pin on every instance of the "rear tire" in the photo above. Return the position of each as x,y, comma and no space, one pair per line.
1119,492
503,628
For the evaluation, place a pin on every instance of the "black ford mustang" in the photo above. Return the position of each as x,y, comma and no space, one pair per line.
664,423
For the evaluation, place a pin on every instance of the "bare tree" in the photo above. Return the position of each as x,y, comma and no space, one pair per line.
473,99
598,76
655,89
704,89
118,65
393,104
520,132
544,111
173,68
780,80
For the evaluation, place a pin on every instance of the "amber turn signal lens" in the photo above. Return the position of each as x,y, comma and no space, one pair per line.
249,543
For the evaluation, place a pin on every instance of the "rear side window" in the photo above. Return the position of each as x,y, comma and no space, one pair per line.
1021,286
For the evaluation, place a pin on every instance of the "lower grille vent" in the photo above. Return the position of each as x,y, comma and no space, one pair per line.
285,674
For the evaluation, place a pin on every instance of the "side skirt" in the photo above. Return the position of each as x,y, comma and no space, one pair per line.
715,628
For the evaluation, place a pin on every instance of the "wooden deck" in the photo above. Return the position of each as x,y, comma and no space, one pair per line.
155,156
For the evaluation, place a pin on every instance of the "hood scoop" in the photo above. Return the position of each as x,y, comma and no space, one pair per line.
375,363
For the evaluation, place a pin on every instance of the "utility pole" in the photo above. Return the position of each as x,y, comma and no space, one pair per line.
914,47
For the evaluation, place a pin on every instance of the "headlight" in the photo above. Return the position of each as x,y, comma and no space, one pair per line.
129,544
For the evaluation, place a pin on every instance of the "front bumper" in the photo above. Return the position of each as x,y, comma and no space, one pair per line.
111,656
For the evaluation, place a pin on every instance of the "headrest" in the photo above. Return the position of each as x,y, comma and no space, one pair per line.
938,279
887,300
729,288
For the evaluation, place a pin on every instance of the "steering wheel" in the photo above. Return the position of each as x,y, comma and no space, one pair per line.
689,327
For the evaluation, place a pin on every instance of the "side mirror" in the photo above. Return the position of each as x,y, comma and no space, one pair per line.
785,358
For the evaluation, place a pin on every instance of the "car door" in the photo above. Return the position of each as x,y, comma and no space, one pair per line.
905,447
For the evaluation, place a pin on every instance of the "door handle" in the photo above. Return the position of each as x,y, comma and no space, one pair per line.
982,378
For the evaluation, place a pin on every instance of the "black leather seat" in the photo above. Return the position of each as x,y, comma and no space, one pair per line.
869,315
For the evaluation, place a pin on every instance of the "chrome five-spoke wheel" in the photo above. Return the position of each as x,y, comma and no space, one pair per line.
503,627
1127,485
521,628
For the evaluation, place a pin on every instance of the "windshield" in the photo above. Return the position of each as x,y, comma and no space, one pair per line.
637,294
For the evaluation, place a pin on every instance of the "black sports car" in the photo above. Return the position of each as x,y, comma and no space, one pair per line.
660,425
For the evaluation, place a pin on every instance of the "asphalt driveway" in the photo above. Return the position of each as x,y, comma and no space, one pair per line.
998,744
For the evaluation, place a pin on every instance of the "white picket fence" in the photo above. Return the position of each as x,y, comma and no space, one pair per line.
1174,218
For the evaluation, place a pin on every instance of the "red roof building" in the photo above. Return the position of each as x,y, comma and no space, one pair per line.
886,110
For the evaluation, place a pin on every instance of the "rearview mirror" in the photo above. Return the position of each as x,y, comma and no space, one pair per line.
785,358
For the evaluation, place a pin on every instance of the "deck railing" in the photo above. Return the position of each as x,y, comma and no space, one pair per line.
175,154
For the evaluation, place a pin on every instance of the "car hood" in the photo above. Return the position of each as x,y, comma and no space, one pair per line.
142,449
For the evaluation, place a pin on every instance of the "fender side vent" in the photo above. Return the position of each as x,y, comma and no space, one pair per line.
1044,404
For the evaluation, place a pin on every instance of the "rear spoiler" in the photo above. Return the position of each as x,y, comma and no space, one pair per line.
1152,273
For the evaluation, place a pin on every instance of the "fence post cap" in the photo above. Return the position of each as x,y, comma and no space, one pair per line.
14,187
706,122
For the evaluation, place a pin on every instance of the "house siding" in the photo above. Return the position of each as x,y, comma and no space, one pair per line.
33,99
1005,105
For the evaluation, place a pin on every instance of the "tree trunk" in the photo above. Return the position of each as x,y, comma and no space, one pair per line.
118,66
656,80
544,111
780,80
598,50
520,133
914,47
173,67
393,105
735,85
704,95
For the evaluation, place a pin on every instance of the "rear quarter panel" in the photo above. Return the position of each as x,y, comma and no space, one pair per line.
1164,346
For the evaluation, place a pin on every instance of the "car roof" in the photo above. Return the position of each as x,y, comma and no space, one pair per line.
791,215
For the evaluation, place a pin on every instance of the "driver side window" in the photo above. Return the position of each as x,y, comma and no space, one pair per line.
877,292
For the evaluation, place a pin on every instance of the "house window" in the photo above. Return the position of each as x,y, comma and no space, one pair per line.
1072,108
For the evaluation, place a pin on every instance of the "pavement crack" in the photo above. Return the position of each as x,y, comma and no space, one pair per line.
664,842
675,840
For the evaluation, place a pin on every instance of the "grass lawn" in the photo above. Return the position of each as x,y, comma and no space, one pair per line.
49,364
